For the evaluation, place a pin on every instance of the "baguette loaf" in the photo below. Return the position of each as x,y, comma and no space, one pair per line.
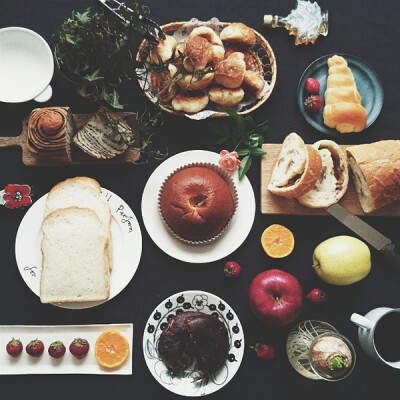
296,170
82,192
333,181
376,173
74,267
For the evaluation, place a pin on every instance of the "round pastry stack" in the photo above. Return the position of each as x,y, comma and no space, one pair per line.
197,202
206,67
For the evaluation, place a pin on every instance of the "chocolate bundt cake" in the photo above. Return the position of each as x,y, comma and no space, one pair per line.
194,336
196,203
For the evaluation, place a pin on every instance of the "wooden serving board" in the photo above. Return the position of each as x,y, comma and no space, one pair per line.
131,155
272,204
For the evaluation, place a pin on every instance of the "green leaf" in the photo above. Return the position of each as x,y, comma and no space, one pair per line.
113,99
242,152
95,76
244,167
257,152
337,362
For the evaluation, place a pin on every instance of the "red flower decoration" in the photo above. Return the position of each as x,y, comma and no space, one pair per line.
229,160
17,196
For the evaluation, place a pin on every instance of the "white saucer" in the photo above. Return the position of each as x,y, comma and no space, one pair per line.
127,247
208,303
230,240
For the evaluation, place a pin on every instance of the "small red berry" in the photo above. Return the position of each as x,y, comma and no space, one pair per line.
312,86
14,347
79,348
232,269
265,352
317,296
35,348
56,349
313,103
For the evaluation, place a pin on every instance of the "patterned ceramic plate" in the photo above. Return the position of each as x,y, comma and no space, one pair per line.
368,84
127,247
192,300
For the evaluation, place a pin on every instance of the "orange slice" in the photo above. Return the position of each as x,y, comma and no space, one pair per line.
111,349
277,241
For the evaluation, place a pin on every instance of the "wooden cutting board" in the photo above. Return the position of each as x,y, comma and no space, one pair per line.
131,155
272,204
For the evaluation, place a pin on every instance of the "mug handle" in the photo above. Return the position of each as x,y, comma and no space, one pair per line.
45,95
361,321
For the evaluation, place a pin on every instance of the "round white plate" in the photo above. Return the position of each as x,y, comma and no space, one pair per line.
127,247
208,303
234,235
26,66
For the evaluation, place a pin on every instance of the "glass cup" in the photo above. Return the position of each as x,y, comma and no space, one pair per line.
300,343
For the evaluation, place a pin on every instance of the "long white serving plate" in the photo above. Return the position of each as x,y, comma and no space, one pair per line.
45,364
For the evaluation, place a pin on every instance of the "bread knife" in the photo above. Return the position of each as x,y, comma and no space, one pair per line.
383,244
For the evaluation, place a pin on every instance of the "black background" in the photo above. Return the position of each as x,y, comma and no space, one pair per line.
367,29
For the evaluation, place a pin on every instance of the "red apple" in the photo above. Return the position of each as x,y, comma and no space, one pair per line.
275,297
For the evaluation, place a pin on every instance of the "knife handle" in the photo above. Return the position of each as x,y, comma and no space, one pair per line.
392,253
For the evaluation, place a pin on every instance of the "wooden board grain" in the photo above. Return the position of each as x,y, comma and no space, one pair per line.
272,204
131,155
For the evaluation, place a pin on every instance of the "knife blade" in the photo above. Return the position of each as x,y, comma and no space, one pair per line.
382,243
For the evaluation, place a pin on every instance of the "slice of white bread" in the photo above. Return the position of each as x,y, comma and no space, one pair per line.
332,183
296,170
376,173
82,192
75,265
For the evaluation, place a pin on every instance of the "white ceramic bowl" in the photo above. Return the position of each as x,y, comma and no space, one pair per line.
26,66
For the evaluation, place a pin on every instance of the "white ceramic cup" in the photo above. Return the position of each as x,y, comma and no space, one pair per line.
366,332
26,66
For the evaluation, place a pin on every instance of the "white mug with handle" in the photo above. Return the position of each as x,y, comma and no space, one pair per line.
366,332
26,66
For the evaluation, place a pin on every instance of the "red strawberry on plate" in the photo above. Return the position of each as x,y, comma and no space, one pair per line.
79,348
14,347
313,103
317,296
35,348
57,349
312,86
232,269
265,352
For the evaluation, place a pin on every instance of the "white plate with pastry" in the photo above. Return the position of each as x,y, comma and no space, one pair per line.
351,91
78,246
231,238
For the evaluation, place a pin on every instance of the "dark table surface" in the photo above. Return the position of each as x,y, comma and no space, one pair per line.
368,29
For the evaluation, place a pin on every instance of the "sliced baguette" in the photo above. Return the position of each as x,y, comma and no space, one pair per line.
74,266
296,170
82,192
332,183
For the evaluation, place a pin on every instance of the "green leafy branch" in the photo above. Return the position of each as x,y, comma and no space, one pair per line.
243,135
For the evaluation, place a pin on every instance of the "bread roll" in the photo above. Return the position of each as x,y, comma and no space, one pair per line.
296,170
193,82
49,132
225,97
376,173
238,33
217,55
250,57
343,110
253,83
332,183
190,102
162,84
164,49
206,33
198,52
230,72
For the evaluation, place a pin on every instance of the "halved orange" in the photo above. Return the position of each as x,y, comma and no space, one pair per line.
112,349
277,241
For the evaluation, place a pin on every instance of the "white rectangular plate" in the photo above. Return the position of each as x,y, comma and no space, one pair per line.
45,364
